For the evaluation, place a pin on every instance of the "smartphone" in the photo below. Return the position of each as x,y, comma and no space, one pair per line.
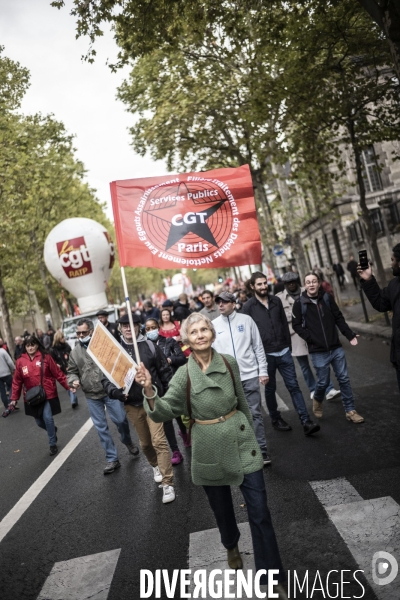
363,259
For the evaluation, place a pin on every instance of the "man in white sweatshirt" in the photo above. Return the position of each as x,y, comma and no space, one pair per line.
238,335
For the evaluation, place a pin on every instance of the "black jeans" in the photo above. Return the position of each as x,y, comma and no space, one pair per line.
266,552
170,435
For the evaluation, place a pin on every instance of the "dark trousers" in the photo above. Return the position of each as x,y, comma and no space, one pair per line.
266,552
5,388
398,377
170,435
285,365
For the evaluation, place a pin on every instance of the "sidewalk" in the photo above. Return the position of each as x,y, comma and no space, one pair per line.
354,314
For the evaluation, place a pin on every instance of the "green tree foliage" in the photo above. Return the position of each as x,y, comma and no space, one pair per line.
219,83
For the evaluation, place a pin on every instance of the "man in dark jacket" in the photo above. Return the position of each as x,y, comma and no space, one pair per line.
268,313
151,435
386,299
181,308
316,317
337,267
102,316
149,311
352,267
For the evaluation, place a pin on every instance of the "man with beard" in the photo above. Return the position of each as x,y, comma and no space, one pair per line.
210,309
386,299
267,311
102,316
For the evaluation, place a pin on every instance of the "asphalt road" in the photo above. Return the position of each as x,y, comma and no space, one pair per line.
81,512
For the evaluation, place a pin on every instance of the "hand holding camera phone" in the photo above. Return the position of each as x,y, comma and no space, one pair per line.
363,259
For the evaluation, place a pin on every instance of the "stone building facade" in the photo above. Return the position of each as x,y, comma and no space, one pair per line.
335,236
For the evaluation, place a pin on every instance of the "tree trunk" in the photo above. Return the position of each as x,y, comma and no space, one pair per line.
6,318
295,240
56,316
380,271
388,19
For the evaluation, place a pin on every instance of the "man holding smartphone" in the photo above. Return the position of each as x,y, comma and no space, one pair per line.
316,319
386,299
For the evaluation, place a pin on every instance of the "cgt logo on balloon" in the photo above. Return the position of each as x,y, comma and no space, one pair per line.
74,257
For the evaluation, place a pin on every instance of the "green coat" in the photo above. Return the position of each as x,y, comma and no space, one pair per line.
222,453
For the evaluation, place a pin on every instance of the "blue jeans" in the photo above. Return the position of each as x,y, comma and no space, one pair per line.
251,388
46,422
73,397
308,374
115,408
5,383
285,365
322,362
265,546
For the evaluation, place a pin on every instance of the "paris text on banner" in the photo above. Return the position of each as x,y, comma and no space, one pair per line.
195,220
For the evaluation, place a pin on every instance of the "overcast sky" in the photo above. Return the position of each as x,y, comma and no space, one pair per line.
79,94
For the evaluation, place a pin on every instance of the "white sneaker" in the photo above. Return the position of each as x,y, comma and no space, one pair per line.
312,395
157,474
333,394
168,494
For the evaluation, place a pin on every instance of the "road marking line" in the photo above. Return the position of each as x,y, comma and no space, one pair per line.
332,492
31,494
366,526
81,578
206,551
281,404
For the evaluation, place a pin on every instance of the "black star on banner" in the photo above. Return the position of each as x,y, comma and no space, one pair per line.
191,222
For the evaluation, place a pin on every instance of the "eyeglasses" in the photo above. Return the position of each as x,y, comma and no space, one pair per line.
30,345
79,333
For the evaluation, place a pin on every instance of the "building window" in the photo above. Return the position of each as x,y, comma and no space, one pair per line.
318,249
328,250
395,213
372,179
337,245
356,232
376,218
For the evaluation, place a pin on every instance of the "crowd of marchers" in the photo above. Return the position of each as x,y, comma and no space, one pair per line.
204,363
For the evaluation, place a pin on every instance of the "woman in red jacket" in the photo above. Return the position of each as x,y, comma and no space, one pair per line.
27,375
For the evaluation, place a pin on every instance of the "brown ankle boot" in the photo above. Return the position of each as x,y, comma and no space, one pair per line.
234,558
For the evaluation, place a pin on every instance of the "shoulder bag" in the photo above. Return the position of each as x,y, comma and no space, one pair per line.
37,395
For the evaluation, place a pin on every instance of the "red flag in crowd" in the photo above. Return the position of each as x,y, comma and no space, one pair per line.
196,220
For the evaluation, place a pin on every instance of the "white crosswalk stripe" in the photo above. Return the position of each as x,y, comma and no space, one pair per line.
367,527
81,578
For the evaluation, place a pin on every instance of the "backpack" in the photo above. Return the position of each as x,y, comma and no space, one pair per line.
303,304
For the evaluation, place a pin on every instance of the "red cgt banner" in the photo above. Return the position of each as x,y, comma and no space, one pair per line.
195,220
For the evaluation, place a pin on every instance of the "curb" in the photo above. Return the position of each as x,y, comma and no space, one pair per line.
385,332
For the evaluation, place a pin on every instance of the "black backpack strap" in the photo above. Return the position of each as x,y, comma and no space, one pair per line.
151,346
303,305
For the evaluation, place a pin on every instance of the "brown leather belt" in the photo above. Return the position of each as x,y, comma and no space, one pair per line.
219,420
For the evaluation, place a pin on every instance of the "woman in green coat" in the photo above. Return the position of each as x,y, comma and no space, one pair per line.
225,451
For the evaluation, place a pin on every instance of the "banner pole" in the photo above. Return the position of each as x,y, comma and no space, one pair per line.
129,310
